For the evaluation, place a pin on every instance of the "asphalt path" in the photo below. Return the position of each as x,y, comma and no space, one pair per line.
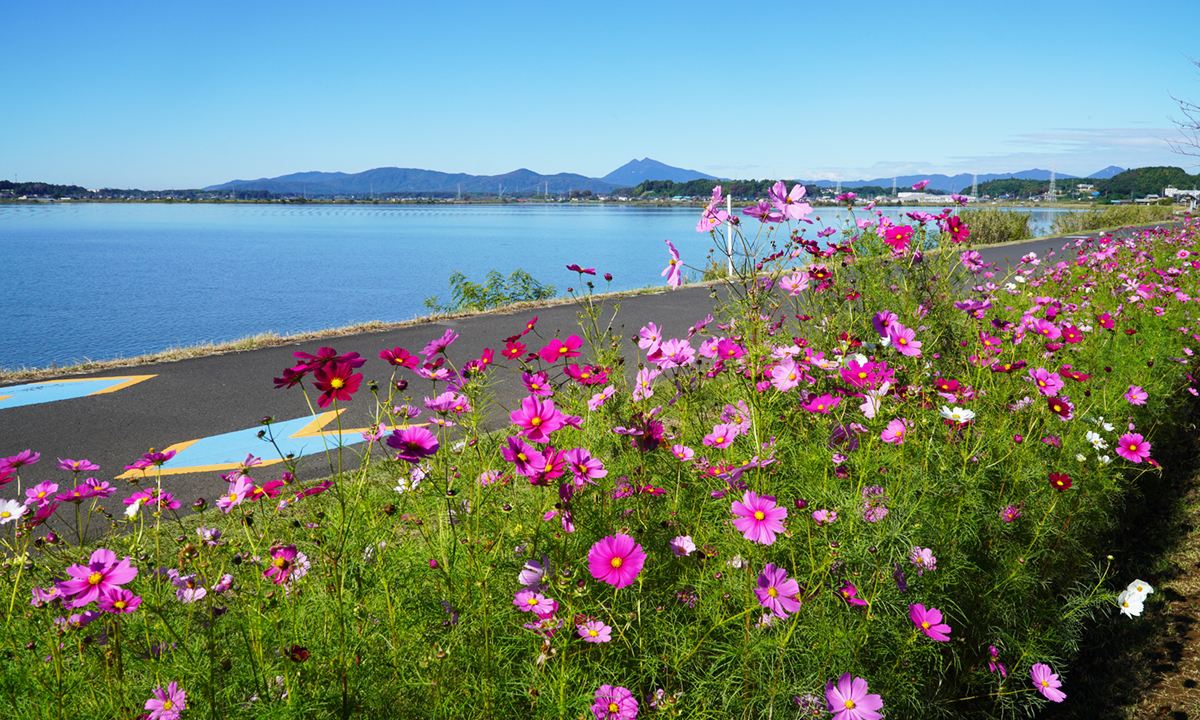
201,397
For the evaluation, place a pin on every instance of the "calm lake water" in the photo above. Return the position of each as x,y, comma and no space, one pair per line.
102,281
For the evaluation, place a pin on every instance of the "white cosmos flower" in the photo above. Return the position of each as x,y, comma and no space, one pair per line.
1130,604
132,510
1104,459
1140,588
1097,442
1108,427
1080,457
11,510
958,414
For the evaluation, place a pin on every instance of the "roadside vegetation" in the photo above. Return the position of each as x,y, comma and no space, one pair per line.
878,479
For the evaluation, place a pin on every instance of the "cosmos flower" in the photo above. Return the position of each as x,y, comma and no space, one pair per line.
1133,447
1046,683
758,517
595,631
776,592
614,703
848,700
167,704
674,270
616,560
929,621
413,444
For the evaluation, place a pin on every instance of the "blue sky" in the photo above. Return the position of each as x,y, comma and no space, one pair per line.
158,95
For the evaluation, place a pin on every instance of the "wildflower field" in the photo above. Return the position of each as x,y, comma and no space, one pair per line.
877,483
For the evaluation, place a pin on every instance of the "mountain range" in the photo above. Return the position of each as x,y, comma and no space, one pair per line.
380,181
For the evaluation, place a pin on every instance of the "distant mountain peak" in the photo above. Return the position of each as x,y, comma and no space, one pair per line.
636,171
1107,172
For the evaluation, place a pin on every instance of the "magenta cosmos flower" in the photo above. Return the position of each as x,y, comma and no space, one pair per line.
1136,395
929,622
102,574
556,349
283,561
119,600
413,443
614,703
674,270
537,418
894,432
776,592
904,340
1046,682
848,700
1133,447
336,381
584,466
535,602
758,517
616,560
167,704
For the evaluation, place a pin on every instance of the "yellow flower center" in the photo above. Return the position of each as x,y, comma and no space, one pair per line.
1133,446
759,515
532,601
925,624
168,705
903,341
337,383
5,514
41,495
535,386
522,457
616,562
593,633
95,578
1045,683
821,406
612,706
862,376
536,421
792,376
280,562
120,604
721,439
672,262
562,350
773,592
849,704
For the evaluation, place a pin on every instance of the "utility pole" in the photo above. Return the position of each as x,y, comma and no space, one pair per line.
893,187
975,184
1053,167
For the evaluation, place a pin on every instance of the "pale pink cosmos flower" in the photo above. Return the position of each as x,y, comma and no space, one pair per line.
683,546
595,631
597,401
675,353
794,284
789,203
240,488
1046,682
642,385
722,436
758,517
674,270
530,601
649,338
1136,395
683,452
895,431
1133,447
785,375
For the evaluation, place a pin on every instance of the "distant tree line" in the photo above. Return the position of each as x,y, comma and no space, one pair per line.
42,189
1139,182
740,189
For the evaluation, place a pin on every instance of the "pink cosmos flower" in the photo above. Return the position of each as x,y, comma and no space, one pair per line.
1136,395
584,466
649,338
776,592
674,270
794,284
758,517
529,461
1046,329
642,385
683,452
538,383
189,588
848,700
118,600
413,444
675,353
904,340
722,436
595,631
764,212
788,203
1133,447
729,350
824,517
283,562
614,703
822,404
399,357
336,381
436,346
21,459
847,592
616,560
77,466
920,185
41,494
894,432
682,546
535,602
167,704
101,574
1048,383
537,419
597,401
785,375
1046,682
1010,513
556,349
898,236
929,622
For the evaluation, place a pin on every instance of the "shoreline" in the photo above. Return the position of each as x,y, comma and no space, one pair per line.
266,339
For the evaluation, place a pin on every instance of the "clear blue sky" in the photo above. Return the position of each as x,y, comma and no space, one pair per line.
159,95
